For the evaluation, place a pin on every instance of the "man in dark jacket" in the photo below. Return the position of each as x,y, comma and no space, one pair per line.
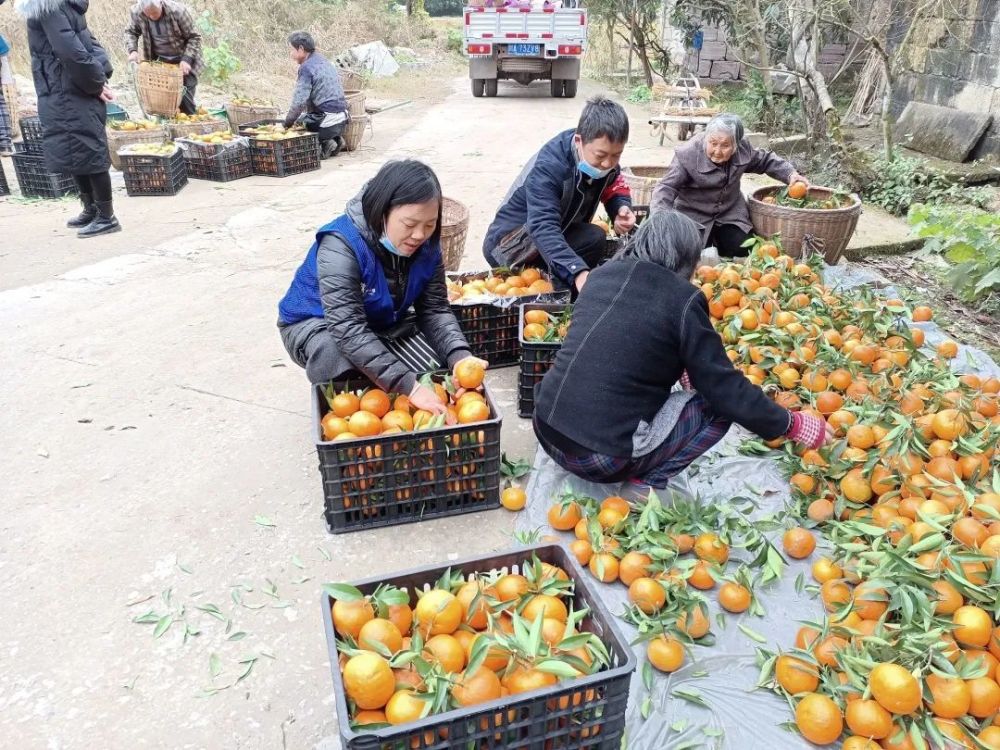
548,211
168,35
318,101
71,72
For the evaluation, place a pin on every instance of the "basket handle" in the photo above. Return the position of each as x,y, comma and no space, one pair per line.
812,245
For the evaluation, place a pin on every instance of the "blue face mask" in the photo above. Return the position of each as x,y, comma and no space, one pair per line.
590,170
387,244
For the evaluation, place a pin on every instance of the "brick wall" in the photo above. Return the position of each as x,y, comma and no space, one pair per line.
718,61
954,60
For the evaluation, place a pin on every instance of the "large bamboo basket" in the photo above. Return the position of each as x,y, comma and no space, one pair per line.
641,181
824,230
454,231
184,129
353,131
351,80
241,114
118,139
10,97
355,103
160,88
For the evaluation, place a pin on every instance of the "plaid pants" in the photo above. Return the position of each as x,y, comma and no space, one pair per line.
696,431
6,126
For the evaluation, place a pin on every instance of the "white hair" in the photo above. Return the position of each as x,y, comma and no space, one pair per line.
726,124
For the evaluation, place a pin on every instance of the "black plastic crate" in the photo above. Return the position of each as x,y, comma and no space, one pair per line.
536,359
492,328
587,713
31,134
37,181
217,163
405,477
147,174
4,185
284,158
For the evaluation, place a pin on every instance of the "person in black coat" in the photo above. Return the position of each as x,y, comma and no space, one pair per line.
71,72
370,295
605,410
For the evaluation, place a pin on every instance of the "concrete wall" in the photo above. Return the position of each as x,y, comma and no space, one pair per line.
718,61
954,60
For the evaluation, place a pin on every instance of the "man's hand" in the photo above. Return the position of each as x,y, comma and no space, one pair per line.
107,95
580,280
133,57
425,398
185,67
796,177
624,221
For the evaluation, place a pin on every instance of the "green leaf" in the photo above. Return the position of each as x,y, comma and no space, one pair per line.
263,521
750,633
679,726
214,665
162,625
691,695
343,591
239,635
556,667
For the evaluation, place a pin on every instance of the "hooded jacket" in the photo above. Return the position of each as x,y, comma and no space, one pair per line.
69,69
338,276
548,196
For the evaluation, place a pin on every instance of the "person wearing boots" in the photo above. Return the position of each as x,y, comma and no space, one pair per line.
71,72
318,102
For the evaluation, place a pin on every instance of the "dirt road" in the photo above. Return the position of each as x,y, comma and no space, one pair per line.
156,454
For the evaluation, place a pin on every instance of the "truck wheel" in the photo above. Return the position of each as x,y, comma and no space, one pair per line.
556,87
477,86
569,88
491,87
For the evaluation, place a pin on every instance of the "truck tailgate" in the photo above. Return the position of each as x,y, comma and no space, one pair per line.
564,24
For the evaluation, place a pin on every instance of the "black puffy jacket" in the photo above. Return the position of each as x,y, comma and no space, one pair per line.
344,309
70,69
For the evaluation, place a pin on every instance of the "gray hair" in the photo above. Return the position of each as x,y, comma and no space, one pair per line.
603,118
146,4
302,40
669,239
726,124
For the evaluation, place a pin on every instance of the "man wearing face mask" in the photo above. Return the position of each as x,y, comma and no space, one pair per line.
547,213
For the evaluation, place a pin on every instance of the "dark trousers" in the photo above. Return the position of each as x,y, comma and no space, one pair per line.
587,240
188,106
727,239
96,185
312,124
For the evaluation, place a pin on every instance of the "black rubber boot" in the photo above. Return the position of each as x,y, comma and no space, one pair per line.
86,216
330,148
105,223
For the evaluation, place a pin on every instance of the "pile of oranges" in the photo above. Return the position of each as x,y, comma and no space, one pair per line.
908,651
466,641
497,283
542,325
371,412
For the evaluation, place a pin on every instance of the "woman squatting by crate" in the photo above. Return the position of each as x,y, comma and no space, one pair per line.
605,411
71,72
370,296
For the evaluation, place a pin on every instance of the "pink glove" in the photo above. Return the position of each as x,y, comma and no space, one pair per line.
807,429
685,381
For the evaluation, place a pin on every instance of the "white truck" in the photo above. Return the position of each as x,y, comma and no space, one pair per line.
525,42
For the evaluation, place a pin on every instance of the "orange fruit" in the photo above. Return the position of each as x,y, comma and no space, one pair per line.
870,602
404,706
363,718
438,612
835,594
513,498
609,517
618,504
496,657
709,547
950,696
949,424
666,654
510,587
564,516
804,482
545,605
523,680
819,719
398,419
536,316
694,623
990,737
984,697
826,650
855,487
895,688
734,598
868,719
632,566
969,531
796,675
820,510
604,567
345,404
973,626
368,681
582,550
828,402
350,616
647,594
947,349
854,742
364,424
701,576
949,598
376,402
798,543
446,651
798,191
333,426
824,570
473,411
469,373
922,313
380,631
467,594
534,332
480,687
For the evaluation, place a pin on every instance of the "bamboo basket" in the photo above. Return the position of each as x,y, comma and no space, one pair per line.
10,97
241,114
118,139
160,87
690,111
351,80
355,103
454,231
184,129
641,182
353,131
824,230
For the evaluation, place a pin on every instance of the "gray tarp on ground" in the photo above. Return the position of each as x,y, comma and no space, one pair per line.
746,718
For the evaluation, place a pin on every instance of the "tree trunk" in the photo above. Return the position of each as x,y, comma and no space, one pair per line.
886,116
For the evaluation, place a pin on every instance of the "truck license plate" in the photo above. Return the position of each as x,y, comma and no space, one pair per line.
522,50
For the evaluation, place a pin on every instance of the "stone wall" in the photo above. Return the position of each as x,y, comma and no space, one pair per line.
953,60
718,61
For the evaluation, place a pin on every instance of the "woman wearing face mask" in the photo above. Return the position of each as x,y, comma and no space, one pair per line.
370,296
703,182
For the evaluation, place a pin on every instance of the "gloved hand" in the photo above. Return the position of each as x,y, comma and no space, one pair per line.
812,432
685,381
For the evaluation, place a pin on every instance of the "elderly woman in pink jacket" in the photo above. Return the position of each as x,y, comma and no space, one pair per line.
703,182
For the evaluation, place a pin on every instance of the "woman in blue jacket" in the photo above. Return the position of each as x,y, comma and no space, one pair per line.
371,297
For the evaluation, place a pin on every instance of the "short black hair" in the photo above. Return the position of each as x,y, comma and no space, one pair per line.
603,118
401,182
669,239
302,40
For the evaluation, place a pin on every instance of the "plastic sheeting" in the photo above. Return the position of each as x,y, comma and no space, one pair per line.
738,716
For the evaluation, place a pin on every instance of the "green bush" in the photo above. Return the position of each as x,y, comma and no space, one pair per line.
444,7
904,182
640,94
970,240
454,41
